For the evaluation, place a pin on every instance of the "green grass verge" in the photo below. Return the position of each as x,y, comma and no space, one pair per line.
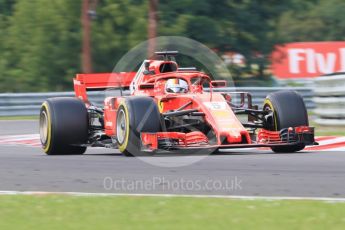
19,118
68,212
329,131
321,130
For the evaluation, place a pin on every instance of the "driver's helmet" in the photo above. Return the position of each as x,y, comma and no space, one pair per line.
176,86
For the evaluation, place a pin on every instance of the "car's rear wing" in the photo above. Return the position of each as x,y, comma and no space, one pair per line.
101,81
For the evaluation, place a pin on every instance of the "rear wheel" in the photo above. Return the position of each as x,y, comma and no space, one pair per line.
288,110
63,126
136,115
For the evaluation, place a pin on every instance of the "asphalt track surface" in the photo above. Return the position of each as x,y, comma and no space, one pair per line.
250,172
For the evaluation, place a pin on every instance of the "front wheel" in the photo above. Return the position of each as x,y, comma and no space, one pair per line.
288,110
136,115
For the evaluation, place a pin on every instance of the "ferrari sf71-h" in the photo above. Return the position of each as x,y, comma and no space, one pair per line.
163,107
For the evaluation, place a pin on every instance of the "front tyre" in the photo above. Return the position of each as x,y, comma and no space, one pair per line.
63,126
288,110
136,115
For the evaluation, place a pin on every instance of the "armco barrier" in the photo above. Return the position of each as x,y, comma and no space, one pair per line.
25,104
330,100
28,104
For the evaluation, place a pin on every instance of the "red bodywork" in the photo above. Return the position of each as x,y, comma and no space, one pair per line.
217,113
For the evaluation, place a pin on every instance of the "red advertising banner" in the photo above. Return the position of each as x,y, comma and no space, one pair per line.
308,59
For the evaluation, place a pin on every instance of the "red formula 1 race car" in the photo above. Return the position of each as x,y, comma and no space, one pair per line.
170,109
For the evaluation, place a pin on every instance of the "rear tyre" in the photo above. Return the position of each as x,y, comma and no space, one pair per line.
63,126
136,115
288,111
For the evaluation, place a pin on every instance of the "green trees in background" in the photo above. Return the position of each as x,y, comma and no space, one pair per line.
120,25
40,40
322,20
246,27
40,45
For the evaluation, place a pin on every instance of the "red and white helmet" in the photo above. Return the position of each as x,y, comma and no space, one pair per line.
176,85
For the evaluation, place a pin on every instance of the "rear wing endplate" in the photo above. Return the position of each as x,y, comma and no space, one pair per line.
101,81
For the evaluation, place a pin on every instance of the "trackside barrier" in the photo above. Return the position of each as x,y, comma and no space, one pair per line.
28,104
330,100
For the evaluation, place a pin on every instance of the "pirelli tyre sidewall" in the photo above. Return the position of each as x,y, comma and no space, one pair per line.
63,126
136,115
289,110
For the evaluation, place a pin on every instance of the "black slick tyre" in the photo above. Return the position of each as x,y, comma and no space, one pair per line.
136,115
288,110
63,126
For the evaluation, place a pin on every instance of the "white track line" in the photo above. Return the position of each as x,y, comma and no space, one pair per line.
86,194
332,141
339,149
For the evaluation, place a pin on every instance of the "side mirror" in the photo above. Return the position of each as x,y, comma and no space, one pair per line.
147,69
218,84
147,65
